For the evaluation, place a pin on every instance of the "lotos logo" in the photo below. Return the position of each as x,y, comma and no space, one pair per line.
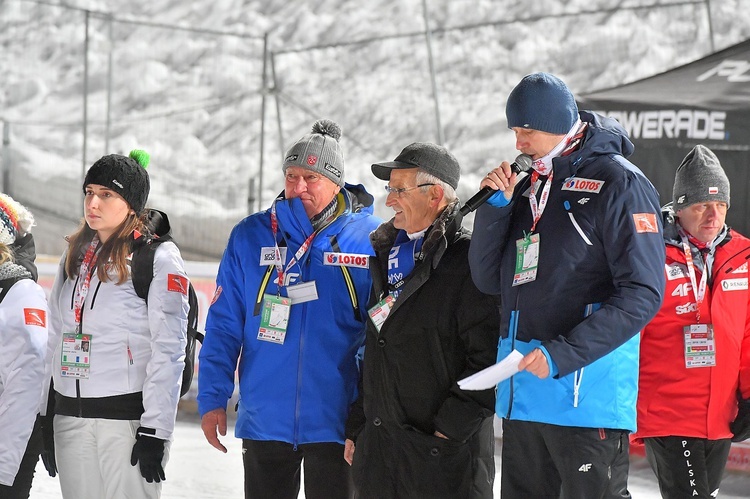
177,283
35,317
312,159
346,260
582,185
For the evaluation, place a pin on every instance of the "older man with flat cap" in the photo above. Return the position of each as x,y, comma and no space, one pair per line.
417,433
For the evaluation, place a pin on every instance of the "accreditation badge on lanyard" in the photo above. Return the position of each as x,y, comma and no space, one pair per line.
700,344
527,248
75,359
274,318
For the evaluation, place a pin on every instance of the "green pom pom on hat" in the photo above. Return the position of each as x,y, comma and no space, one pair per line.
141,157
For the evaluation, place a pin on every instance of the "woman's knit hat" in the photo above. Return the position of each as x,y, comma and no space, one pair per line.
699,179
543,102
319,151
15,220
126,175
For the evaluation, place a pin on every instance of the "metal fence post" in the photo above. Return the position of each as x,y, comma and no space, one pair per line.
433,80
85,95
6,157
250,200
109,88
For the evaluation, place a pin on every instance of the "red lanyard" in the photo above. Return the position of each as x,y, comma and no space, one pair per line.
699,289
84,280
537,210
280,269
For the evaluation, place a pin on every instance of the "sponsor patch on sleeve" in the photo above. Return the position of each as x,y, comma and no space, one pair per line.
645,223
177,283
35,317
346,260
217,294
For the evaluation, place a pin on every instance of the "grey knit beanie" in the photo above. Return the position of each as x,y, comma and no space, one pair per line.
699,178
319,151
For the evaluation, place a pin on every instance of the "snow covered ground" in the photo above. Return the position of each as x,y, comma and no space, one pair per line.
198,471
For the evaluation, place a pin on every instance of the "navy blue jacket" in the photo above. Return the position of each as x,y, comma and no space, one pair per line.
600,280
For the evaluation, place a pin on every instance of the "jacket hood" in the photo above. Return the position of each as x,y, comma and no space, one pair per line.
606,135
157,222
24,253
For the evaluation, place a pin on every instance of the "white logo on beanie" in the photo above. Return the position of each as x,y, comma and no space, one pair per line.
332,169
118,184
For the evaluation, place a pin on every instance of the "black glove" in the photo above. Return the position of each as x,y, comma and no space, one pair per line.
149,452
48,444
740,427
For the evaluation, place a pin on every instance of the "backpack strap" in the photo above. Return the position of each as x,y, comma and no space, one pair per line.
6,284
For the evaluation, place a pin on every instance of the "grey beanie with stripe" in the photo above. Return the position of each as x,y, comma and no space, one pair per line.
699,179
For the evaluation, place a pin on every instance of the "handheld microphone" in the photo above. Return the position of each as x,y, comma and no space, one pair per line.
521,164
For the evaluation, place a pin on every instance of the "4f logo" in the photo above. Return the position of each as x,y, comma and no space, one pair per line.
683,289
289,278
585,468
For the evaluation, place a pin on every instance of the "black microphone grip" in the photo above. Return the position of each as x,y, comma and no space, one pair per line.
521,164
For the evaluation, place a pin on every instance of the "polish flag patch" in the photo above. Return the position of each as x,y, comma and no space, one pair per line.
177,283
312,159
645,223
713,190
35,317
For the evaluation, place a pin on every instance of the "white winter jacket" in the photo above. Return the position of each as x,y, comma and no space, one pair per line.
137,351
23,341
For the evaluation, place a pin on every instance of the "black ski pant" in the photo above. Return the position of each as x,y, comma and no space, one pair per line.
272,470
562,462
687,467
22,484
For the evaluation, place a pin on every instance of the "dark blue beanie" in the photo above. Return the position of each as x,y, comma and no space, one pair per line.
542,101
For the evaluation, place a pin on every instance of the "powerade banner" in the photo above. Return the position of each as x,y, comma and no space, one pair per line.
705,102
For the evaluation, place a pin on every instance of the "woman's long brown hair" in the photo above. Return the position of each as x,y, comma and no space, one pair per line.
112,255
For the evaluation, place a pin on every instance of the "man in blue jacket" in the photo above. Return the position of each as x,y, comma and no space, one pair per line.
290,305
575,249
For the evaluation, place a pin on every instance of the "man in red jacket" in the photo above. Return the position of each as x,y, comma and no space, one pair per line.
695,353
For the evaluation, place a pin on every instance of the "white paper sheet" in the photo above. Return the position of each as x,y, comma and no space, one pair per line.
491,376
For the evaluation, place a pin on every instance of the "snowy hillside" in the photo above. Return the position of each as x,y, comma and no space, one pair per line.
192,97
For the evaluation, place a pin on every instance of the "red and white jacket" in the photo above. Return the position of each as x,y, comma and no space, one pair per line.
697,402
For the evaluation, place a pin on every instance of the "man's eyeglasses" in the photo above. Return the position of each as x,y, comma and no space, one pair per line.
399,191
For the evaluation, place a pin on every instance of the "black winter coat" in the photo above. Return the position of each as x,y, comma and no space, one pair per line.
441,329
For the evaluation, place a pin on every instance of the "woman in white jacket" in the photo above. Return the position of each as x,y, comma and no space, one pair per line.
23,342
117,363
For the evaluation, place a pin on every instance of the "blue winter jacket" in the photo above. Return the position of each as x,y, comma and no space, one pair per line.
299,391
600,280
